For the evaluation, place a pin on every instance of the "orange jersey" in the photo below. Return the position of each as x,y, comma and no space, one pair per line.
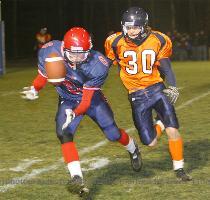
138,64
42,39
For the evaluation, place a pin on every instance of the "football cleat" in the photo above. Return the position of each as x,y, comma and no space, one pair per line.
136,160
181,175
85,193
76,185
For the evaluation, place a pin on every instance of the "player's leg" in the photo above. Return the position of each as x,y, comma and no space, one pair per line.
102,114
69,150
168,116
142,102
133,150
176,151
159,126
142,117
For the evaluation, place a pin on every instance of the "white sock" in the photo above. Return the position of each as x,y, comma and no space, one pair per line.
131,146
160,124
75,168
177,164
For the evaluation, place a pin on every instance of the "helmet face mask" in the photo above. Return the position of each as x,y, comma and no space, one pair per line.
76,57
133,31
43,30
77,45
135,18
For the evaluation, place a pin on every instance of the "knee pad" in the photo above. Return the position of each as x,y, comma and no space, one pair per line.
147,139
153,143
173,133
64,137
112,132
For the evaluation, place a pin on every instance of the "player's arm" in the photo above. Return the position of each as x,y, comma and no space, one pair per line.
98,76
85,102
171,91
31,92
89,88
81,108
52,72
165,68
108,48
39,82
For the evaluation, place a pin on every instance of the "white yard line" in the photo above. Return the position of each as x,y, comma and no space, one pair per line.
24,164
3,94
17,181
189,102
96,146
18,92
95,163
180,88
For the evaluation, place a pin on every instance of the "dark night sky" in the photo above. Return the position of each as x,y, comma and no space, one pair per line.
23,18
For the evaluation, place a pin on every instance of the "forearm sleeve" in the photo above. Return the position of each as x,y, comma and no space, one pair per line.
39,82
85,102
166,69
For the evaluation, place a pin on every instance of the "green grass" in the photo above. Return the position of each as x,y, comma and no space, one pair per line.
27,131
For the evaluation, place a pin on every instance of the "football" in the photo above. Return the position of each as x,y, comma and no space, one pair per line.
56,72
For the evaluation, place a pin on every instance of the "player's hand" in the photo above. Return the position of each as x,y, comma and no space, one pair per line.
29,93
172,93
70,115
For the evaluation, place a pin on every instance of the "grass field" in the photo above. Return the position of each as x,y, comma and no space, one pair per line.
30,157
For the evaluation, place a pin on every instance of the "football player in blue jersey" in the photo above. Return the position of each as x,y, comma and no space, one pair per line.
79,94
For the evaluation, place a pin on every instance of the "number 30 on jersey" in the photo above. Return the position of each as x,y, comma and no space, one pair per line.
147,61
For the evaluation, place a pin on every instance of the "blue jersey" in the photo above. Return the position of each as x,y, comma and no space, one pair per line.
90,74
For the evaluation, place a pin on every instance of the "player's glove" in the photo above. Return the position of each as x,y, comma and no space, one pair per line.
70,115
172,93
29,93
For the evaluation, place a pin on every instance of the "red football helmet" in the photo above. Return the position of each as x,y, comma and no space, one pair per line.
77,44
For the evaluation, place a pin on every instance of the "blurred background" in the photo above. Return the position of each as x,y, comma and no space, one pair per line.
187,22
30,164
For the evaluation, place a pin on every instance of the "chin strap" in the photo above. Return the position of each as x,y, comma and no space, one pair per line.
138,41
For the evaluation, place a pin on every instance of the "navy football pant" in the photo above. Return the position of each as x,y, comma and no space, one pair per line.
142,104
99,111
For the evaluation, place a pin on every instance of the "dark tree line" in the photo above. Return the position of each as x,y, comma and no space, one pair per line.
23,18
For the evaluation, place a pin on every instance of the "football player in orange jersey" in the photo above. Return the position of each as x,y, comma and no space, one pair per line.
142,55
42,37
